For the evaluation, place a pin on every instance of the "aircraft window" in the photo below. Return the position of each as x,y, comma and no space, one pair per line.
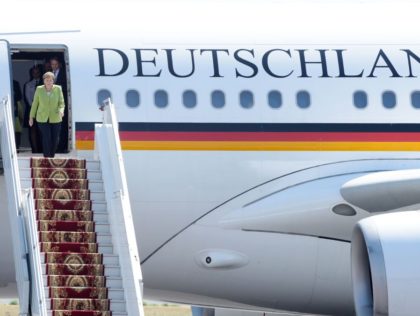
218,99
415,99
102,95
246,98
274,99
132,98
360,99
389,99
303,99
161,98
189,98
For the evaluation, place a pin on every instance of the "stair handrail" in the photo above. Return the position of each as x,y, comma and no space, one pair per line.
108,151
38,299
17,227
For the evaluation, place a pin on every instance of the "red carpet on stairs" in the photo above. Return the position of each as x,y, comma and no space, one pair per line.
76,280
69,247
61,204
58,173
74,268
73,226
81,313
64,194
75,184
64,215
55,236
58,163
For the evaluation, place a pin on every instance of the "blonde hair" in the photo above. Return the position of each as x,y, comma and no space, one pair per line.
48,74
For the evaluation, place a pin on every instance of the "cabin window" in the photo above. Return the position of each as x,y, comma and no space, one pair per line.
161,98
274,99
132,98
360,99
189,98
389,99
246,99
415,99
102,95
303,99
218,99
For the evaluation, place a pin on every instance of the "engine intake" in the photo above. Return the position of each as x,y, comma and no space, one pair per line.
385,259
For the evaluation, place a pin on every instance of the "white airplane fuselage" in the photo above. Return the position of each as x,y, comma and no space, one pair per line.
238,135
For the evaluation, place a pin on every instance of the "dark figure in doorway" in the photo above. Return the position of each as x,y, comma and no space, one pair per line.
28,93
17,112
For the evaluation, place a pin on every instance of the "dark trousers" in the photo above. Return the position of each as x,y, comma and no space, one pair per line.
49,135
17,139
35,138
64,133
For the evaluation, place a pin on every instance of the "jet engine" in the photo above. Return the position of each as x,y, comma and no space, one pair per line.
385,255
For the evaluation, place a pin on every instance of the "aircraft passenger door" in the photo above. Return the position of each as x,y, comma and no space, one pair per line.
5,70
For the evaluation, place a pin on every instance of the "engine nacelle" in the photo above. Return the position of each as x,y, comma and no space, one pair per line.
385,255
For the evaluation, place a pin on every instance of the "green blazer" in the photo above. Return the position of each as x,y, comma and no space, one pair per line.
47,107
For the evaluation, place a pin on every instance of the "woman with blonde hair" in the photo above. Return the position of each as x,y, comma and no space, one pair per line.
48,110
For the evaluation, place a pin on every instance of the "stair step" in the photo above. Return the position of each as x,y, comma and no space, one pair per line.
93,165
62,292
101,238
96,206
116,306
105,248
74,304
102,228
111,281
50,313
108,259
110,270
94,185
113,293
100,217
91,174
64,215
97,196
99,206
114,282
64,205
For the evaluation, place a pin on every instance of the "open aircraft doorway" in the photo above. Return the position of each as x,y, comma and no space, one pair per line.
29,63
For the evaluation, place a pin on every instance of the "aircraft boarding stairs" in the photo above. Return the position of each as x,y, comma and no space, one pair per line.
73,234
60,244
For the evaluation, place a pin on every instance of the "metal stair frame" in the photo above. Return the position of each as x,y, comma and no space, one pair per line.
11,172
108,151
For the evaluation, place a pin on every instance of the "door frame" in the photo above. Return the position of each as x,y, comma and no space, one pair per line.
5,75
50,49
